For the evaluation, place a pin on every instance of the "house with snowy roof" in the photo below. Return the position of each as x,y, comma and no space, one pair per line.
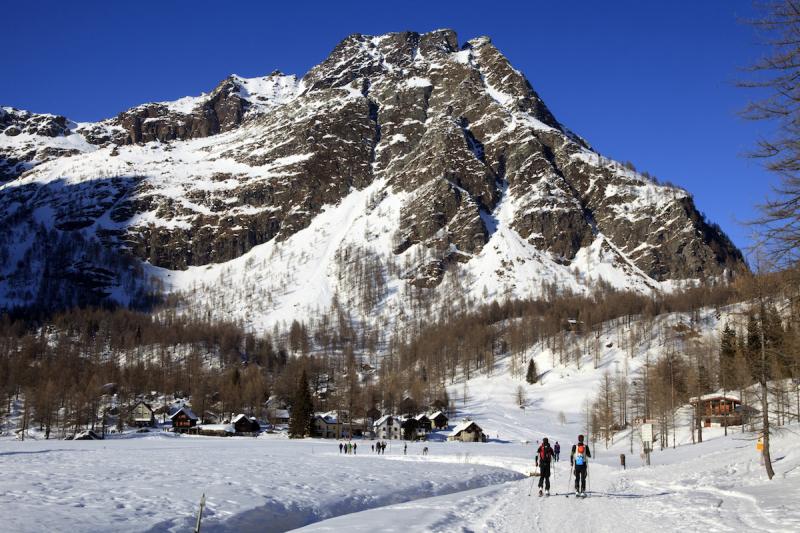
438,420
245,426
387,427
412,429
328,426
183,419
467,431
142,415
424,424
718,408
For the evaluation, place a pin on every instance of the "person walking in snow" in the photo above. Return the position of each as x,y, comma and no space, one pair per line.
355,447
340,447
405,448
579,460
543,457
556,450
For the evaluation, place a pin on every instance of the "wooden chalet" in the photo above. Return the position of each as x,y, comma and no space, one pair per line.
425,425
718,409
467,431
408,428
245,427
183,420
142,415
438,420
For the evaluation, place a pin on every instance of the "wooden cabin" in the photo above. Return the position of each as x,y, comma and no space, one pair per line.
245,427
467,431
142,415
438,420
424,424
718,409
408,428
183,420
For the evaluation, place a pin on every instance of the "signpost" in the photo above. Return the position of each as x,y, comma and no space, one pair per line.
200,513
760,450
647,441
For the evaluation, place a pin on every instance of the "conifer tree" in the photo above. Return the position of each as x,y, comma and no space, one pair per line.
302,409
727,356
532,376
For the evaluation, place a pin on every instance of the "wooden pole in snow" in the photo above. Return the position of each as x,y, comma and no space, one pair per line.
200,513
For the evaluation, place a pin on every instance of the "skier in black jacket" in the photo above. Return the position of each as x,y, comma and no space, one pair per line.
579,459
543,457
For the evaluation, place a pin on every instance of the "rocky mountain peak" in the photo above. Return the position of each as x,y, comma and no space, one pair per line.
467,170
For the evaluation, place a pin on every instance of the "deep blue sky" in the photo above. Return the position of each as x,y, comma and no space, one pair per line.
649,83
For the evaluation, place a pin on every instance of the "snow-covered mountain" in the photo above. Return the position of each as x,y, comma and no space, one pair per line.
403,165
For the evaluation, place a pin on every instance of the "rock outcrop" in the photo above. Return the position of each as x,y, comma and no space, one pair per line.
452,132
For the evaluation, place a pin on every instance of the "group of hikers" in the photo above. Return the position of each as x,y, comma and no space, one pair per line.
545,455
578,459
348,447
379,448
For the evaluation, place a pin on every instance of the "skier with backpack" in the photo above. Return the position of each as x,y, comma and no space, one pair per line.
556,450
579,461
543,457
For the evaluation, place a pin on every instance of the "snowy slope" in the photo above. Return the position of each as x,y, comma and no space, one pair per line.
436,163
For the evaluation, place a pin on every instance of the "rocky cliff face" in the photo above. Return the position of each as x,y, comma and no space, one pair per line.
452,142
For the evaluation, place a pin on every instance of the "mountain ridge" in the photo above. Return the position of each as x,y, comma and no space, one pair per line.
466,153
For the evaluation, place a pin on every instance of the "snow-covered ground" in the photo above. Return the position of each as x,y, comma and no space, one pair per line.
714,486
273,484
153,482
252,484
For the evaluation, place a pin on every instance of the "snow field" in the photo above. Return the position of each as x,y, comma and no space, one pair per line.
154,483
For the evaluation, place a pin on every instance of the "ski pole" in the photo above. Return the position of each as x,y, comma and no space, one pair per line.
571,467
588,480
530,487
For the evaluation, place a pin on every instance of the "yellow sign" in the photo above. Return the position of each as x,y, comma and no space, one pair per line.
760,445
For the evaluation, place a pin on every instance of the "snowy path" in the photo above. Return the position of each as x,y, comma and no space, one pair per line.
714,486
